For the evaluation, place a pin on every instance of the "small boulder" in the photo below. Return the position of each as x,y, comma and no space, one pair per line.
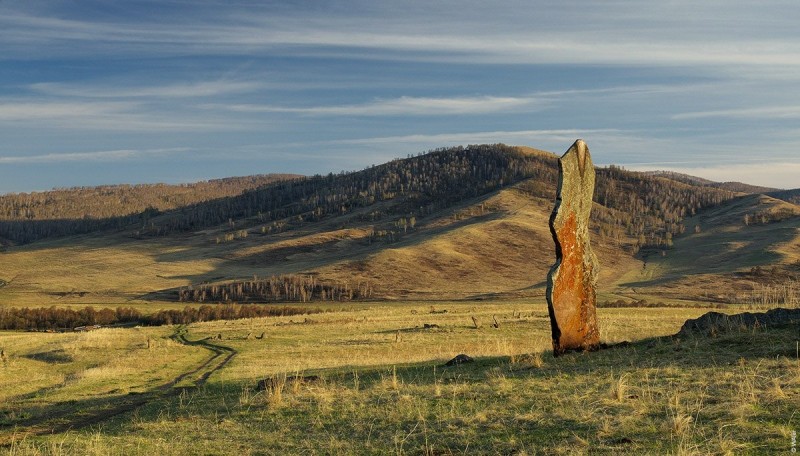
459,359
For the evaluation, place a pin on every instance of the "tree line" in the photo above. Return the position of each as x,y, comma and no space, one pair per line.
297,288
55,318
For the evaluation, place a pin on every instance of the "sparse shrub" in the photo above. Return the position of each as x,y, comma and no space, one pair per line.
619,388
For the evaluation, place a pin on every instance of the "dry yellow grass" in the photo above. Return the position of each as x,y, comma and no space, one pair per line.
377,393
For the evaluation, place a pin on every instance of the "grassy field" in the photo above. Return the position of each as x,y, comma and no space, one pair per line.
379,386
370,377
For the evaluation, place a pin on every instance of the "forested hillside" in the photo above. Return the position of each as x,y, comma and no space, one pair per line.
457,222
649,208
25,217
415,186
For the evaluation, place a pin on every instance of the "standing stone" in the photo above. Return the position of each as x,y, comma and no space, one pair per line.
571,292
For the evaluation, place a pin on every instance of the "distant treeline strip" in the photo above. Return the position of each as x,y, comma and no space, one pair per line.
295,288
55,318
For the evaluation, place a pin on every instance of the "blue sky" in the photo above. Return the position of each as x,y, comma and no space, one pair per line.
178,91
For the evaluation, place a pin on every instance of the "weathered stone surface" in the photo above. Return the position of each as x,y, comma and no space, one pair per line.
571,292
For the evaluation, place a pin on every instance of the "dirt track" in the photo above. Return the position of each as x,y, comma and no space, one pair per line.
100,410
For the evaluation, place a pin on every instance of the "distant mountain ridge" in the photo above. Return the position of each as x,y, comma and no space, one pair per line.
739,187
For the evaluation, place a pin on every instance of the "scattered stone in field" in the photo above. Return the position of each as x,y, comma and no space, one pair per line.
248,336
261,336
413,311
571,283
430,326
475,322
397,337
712,323
271,383
496,324
459,359
219,336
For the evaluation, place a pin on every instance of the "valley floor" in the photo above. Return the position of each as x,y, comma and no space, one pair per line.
369,378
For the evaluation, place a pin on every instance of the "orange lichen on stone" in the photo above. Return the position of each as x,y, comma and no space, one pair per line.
571,283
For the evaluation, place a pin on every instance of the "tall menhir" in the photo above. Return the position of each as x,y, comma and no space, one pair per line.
571,283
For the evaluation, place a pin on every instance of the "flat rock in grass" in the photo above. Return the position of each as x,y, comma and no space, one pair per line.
571,283
459,359
716,322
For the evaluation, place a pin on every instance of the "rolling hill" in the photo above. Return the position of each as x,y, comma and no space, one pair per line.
459,223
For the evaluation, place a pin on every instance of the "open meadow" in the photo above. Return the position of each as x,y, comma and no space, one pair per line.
370,378
399,228
391,272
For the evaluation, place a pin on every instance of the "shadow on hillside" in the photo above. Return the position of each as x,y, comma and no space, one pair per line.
304,258
720,252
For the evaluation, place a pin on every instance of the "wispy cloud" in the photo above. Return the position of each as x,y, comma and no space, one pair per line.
182,90
766,112
614,34
29,110
107,116
419,106
559,136
98,156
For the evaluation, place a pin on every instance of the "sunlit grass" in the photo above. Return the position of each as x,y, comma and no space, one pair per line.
377,393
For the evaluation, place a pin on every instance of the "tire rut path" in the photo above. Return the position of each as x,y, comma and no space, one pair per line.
100,410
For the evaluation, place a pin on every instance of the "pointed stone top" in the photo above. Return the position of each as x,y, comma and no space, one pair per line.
579,147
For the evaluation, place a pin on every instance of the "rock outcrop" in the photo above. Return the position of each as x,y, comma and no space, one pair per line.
459,359
571,283
715,322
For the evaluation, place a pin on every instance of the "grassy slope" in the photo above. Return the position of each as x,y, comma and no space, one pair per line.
705,263
496,245
383,389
